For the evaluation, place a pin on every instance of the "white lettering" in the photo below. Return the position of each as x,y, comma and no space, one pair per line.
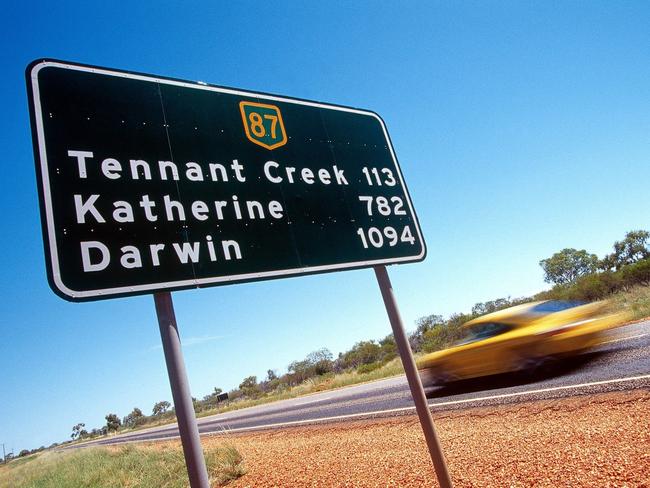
235,204
83,208
251,206
187,251
275,209
237,168
213,254
222,169
81,161
199,209
148,205
170,205
130,257
290,171
324,176
219,205
88,266
155,249
194,172
338,174
164,166
111,168
267,167
123,212
139,163
226,245
307,176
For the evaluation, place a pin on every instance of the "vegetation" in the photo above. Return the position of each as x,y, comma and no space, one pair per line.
161,408
623,276
113,422
160,466
568,265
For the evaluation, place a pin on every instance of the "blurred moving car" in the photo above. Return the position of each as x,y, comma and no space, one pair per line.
521,338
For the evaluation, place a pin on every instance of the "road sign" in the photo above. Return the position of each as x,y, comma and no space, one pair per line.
149,184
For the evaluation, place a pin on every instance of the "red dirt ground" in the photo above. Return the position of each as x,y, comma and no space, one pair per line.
591,441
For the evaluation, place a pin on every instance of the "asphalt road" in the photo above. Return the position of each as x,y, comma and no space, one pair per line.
623,363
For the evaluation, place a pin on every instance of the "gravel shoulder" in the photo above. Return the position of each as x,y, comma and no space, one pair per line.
598,440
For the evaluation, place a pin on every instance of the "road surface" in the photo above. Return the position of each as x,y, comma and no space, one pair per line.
622,363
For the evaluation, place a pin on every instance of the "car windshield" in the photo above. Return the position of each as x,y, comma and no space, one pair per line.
555,306
484,330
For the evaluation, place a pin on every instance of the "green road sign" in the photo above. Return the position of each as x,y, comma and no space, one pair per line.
149,183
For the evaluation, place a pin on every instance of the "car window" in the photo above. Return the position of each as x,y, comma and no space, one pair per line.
484,330
555,306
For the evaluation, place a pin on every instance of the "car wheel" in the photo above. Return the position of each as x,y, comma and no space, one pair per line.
531,367
432,378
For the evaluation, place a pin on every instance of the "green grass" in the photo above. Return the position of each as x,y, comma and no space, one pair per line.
155,466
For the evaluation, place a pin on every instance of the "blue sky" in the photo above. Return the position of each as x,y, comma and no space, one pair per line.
521,128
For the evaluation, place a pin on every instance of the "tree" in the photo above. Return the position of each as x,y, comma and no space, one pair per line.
270,375
161,407
321,361
444,335
113,422
632,249
315,364
423,324
388,348
249,386
78,431
483,308
135,418
567,265
363,352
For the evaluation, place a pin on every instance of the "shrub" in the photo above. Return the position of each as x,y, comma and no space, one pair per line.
364,352
444,335
367,368
637,273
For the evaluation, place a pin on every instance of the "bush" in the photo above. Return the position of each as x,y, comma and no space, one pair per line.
444,335
637,273
596,286
367,368
364,352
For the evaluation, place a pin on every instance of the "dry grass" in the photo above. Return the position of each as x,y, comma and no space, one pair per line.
313,385
159,466
635,302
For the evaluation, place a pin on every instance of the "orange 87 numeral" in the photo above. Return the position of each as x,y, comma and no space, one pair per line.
257,124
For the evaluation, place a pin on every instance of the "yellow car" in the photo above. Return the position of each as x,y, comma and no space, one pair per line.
519,338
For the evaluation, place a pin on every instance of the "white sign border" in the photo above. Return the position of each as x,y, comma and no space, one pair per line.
194,283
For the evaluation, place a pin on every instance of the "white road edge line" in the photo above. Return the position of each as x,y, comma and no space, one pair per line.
624,338
404,409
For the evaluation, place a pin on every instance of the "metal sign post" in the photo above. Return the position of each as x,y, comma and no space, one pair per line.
415,384
185,417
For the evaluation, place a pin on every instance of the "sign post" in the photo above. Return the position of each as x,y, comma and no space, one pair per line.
413,378
183,406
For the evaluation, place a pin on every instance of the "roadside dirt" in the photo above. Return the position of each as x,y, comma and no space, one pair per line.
592,441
